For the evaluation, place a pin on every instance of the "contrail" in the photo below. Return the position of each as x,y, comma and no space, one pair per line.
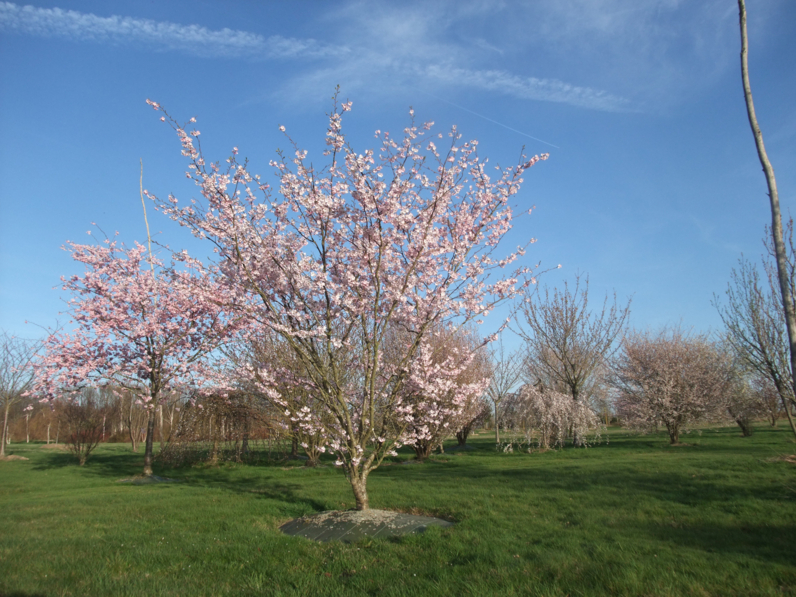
489,119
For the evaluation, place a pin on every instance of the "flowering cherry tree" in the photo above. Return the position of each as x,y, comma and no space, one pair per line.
444,387
548,417
139,326
672,378
400,237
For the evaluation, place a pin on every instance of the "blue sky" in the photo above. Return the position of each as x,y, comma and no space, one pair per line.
652,188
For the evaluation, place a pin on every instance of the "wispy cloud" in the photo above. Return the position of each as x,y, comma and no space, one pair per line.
191,39
383,47
551,90
485,45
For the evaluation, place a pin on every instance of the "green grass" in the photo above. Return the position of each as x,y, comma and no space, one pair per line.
634,517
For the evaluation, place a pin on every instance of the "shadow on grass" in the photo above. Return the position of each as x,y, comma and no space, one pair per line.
238,477
113,466
767,543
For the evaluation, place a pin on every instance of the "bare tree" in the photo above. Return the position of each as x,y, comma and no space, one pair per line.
785,280
671,378
83,418
755,322
566,341
506,374
16,375
769,397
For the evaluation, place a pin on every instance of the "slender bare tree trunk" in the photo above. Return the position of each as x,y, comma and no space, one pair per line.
150,435
160,425
5,430
133,432
776,217
293,447
171,420
48,433
497,424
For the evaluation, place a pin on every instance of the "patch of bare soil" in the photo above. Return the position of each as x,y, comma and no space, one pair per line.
13,457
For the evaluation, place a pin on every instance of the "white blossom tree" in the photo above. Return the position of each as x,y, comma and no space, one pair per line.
672,378
548,418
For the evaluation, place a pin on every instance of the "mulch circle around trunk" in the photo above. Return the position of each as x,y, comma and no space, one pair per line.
352,525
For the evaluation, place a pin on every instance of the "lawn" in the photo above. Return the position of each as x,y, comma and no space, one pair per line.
631,517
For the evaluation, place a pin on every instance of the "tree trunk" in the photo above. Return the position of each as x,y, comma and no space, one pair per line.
773,195
133,433
787,413
5,430
674,433
27,432
423,449
160,425
746,427
150,435
48,433
293,447
358,480
497,425
245,447
213,458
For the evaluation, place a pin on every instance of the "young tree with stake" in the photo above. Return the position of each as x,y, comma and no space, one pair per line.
402,237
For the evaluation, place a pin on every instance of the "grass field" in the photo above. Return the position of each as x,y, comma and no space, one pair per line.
633,517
